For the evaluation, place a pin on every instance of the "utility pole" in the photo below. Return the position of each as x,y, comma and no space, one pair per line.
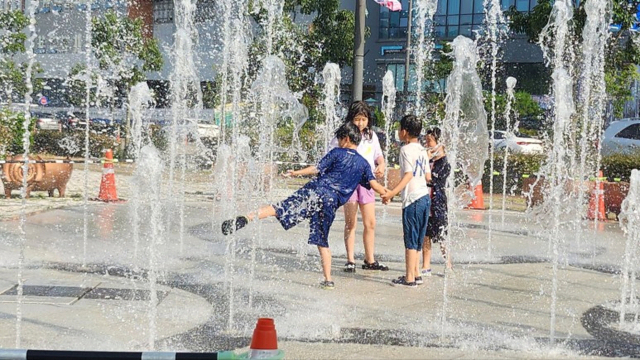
407,61
358,52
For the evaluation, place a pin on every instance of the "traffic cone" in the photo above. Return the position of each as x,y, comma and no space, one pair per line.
597,195
108,184
477,202
264,344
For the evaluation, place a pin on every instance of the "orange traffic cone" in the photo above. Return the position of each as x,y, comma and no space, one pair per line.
264,344
477,202
108,184
597,195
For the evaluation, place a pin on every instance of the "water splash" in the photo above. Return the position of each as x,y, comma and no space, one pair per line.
388,108
511,85
630,224
464,132
556,170
425,9
331,76
26,125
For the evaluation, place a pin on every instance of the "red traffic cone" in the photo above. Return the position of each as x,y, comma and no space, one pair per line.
264,343
477,202
108,184
597,197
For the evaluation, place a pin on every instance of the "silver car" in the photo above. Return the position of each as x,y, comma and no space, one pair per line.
46,121
622,137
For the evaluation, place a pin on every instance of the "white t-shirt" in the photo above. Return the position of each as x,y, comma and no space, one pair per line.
414,159
368,149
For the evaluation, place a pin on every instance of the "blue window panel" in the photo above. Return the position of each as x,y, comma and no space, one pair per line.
394,19
454,7
466,7
452,31
478,6
522,5
440,31
466,19
440,20
442,7
383,33
453,20
478,19
506,4
466,30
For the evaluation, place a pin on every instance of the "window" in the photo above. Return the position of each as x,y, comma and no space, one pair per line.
398,71
393,24
452,17
163,11
630,132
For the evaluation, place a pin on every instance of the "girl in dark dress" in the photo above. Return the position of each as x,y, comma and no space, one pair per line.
437,225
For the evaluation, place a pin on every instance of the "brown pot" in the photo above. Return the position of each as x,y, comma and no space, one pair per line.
614,193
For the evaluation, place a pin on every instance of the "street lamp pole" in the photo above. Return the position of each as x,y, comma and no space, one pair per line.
358,52
407,61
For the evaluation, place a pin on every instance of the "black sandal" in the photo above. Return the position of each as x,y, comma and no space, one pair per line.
375,266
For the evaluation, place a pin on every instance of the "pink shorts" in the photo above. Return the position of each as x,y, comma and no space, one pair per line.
362,196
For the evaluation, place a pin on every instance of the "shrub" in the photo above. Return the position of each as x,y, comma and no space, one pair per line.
620,165
71,144
12,131
517,165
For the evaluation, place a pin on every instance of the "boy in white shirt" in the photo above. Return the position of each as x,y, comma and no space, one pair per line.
414,165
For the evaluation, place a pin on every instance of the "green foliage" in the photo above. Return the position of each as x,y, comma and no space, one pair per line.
49,142
12,132
434,96
12,38
620,165
523,107
517,165
621,54
120,47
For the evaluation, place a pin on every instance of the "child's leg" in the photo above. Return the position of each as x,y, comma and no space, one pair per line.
368,212
411,258
426,253
350,217
325,256
263,212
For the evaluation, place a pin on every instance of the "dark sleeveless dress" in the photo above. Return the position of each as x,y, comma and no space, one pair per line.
438,219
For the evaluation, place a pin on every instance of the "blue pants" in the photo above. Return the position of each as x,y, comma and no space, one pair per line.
414,223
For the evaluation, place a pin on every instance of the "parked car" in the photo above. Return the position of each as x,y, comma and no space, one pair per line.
621,137
516,143
46,121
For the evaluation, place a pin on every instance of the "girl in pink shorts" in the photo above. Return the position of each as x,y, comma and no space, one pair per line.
360,114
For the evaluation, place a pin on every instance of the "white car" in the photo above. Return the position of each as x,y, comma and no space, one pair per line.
46,121
516,143
622,137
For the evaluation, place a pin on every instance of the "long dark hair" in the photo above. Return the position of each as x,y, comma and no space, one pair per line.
361,108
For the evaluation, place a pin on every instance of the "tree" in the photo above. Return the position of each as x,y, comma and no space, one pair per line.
123,54
621,55
329,37
12,75
523,108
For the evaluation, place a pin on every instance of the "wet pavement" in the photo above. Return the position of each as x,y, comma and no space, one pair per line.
88,275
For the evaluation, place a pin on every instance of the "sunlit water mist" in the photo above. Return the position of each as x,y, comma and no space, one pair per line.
388,109
511,85
557,167
140,98
630,223
592,101
331,102
464,133
495,34
423,47
26,143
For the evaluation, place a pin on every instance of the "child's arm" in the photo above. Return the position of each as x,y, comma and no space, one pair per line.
311,170
377,187
403,182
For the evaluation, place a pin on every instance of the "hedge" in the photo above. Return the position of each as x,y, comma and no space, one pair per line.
71,143
517,166
619,166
